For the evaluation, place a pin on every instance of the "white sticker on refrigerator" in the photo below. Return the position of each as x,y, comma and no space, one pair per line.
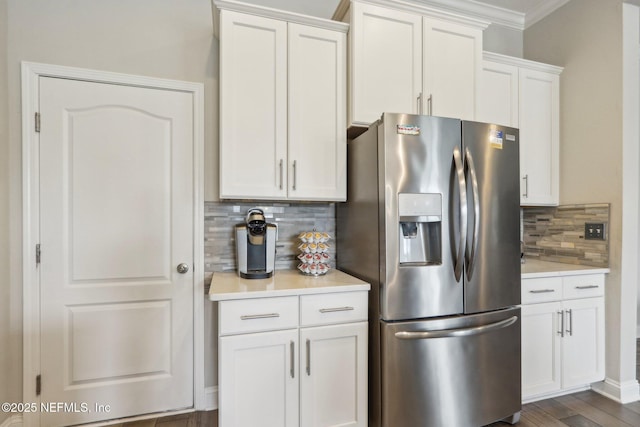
495,139
408,129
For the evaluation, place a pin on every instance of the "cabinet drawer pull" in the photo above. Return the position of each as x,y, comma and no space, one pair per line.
561,321
587,287
295,176
570,322
259,316
541,291
526,186
334,309
292,350
308,357
281,174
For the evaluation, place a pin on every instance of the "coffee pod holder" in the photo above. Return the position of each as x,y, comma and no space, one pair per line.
314,253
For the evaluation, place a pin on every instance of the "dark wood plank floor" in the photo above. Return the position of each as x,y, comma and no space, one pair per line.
583,409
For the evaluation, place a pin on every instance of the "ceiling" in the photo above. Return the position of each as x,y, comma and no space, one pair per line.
518,14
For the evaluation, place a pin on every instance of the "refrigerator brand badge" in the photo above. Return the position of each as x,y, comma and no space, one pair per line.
408,130
495,139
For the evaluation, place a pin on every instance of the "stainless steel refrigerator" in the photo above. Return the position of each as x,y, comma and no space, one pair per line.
432,222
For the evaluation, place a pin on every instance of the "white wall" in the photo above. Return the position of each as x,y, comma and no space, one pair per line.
4,212
160,38
507,41
585,37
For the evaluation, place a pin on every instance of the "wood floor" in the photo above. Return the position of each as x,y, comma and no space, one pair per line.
583,409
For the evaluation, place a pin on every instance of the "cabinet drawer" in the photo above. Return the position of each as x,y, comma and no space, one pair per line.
339,307
260,314
588,285
541,290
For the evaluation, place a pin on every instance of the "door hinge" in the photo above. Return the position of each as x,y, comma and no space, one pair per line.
38,385
37,120
38,253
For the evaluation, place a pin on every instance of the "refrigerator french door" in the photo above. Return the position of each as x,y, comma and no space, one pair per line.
432,222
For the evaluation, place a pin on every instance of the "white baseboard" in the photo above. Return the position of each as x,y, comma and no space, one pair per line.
554,394
210,398
626,392
13,421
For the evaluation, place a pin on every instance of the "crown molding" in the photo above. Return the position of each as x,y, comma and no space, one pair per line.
482,11
469,8
519,62
544,8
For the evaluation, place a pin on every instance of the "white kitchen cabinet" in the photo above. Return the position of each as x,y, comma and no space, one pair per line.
317,115
385,73
258,379
293,360
452,60
282,105
539,112
333,391
562,334
526,95
253,106
541,349
406,58
498,94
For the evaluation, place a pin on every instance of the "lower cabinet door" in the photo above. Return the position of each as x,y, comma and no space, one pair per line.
541,348
333,375
258,379
583,342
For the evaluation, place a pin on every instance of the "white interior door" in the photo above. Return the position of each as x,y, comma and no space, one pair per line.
116,219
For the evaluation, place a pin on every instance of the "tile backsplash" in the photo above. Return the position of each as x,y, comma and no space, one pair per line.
291,218
557,234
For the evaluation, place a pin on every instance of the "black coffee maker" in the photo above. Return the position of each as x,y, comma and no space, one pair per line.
256,246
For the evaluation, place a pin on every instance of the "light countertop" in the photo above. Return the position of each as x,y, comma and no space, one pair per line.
230,286
533,268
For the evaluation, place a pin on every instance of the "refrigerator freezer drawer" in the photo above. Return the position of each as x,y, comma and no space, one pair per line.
458,371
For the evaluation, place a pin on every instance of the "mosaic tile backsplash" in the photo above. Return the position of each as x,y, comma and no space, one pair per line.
291,218
557,234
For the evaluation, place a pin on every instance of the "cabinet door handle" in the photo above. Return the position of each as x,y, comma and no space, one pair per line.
308,357
570,322
281,173
334,309
541,291
259,316
293,187
526,186
587,287
561,321
292,350
419,102
430,104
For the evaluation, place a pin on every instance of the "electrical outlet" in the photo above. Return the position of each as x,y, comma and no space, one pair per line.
594,231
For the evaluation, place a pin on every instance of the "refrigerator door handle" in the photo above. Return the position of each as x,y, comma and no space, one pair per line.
461,332
471,255
459,265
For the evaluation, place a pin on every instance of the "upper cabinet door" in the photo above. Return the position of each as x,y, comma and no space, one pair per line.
452,65
253,106
539,137
386,63
317,114
498,94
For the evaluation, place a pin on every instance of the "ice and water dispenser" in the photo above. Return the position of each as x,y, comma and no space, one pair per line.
420,228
